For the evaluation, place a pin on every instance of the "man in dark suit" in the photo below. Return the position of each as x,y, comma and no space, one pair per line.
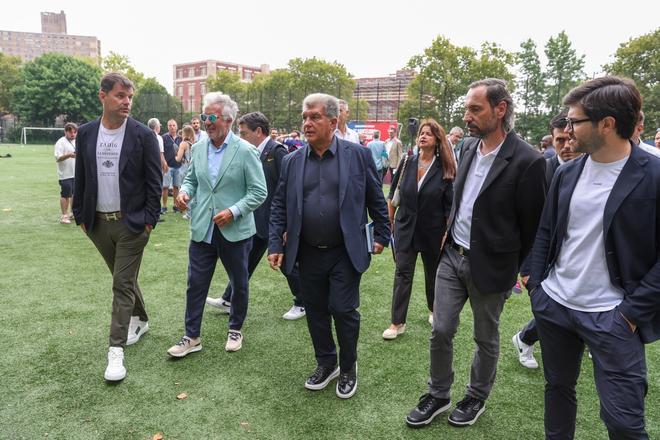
254,128
595,268
318,219
116,203
524,340
498,197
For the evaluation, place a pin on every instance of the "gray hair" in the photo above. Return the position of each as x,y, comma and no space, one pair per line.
329,102
229,107
497,92
343,103
457,130
152,123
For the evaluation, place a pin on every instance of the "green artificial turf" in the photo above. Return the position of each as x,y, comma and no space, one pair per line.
55,303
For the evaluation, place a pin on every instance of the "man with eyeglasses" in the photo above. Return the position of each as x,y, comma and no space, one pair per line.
524,340
226,181
595,270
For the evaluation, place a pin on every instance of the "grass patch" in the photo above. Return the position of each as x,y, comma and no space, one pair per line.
55,299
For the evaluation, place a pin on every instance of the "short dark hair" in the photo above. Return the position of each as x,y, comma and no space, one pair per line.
376,134
110,79
70,126
558,121
496,92
609,96
254,120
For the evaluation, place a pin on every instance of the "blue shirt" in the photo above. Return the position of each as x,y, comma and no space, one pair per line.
215,157
378,152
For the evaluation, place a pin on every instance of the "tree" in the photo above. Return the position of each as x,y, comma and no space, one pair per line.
58,85
444,72
564,70
153,101
115,62
531,121
228,83
639,59
10,78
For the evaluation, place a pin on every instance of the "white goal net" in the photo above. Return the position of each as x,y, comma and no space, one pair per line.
24,132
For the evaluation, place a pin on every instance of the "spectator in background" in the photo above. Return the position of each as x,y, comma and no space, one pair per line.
394,149
154,125
292,141
657,139
637,137
547,148
425,183
183,155
196,125
343,131
65,156
379,154
173,178
273,134
455,137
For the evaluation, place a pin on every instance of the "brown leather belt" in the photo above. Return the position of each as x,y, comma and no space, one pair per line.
109,216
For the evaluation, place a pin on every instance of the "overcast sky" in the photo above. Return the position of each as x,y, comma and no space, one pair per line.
370,38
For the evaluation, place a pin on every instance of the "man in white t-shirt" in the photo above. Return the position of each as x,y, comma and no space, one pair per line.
116,202
595,270
65,156
343,131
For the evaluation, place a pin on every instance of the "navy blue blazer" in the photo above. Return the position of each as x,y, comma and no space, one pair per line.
271,160
631,227
140,176
359,190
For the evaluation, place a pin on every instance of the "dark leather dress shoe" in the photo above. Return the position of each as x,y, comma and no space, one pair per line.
321,377
347,383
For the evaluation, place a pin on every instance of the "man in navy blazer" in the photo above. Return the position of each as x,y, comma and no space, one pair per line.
595,274
254,128
318,219
116,202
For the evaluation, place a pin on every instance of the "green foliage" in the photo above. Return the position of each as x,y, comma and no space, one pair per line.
10,78
153,101
115,62
55,85
531,121
639,59
226,82
564,70
444,73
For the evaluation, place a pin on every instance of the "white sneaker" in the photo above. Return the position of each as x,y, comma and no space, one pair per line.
136,329
219,303
65,220
295,312
525,352
391,333
234,340
115,370
431,319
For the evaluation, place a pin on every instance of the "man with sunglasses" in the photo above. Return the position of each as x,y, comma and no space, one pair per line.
226,181
595,270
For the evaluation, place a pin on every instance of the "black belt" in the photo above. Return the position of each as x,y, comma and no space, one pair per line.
458,248
322,247
109,216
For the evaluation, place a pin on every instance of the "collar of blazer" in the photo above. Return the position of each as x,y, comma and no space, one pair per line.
631,175
229,155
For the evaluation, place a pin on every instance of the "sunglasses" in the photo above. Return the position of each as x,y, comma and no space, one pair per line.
211,118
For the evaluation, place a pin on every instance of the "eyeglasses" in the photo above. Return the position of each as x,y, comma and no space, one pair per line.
211,118
570,123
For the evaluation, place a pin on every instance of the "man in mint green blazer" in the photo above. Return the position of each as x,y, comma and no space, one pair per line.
226,184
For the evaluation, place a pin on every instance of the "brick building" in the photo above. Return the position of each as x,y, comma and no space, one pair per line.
190,79
384,93
53,38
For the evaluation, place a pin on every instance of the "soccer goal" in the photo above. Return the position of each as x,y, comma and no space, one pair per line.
24,132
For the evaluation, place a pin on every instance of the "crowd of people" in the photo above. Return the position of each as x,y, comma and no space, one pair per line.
577,224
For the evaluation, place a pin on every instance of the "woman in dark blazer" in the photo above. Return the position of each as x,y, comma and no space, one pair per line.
420,221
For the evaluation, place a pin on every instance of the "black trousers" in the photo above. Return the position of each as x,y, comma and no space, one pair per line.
619,368
529,334
331,286
406,259
259,247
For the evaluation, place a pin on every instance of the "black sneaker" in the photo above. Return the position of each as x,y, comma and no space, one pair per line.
321,377
347,384
426,410
467,411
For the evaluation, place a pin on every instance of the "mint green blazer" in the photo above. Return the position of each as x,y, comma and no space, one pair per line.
241,183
